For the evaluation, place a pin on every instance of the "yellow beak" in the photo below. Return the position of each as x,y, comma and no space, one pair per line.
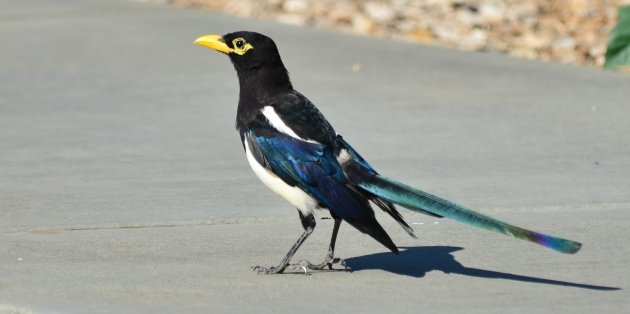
214,42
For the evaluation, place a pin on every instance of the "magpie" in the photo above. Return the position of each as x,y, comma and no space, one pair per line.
297,154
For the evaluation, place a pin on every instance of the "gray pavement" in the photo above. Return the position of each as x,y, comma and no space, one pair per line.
124,189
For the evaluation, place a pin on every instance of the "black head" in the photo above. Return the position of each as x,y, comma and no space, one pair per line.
252,50
255,57
248,51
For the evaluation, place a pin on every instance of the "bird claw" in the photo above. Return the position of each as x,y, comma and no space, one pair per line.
342,262
324,264
265,271
301,266
275,270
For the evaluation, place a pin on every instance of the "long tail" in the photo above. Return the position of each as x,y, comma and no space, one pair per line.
415,199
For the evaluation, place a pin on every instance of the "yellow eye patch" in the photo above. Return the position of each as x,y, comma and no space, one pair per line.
241,46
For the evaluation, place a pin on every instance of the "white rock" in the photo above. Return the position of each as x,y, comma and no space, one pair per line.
474,40
490,13
563,43
380,12
292,19
295,6
362,24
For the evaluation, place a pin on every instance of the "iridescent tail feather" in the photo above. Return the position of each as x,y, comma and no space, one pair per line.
415,199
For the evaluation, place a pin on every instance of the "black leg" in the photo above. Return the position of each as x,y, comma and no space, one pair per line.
308,222
329,260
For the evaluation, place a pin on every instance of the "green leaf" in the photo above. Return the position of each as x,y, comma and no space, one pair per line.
618,53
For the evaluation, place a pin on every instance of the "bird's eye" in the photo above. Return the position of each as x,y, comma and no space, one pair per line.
241,46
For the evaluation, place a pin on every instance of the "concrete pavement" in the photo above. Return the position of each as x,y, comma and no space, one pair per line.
124,188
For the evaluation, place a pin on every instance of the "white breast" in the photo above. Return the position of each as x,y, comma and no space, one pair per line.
298,198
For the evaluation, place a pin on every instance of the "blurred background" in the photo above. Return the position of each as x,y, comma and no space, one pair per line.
566,31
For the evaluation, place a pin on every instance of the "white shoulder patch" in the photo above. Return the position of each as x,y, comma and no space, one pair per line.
279,125
343,157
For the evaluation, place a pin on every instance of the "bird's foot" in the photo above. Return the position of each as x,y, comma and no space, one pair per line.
267,270
324,264
302,266
277,270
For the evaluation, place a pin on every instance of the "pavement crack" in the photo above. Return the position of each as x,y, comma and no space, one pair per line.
144,225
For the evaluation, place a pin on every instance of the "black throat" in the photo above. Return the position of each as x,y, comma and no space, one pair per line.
259,87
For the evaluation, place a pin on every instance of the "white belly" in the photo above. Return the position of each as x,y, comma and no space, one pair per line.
298,198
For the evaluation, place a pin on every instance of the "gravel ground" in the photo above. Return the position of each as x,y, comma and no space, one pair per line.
568,31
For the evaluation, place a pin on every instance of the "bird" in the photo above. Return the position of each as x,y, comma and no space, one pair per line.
296,153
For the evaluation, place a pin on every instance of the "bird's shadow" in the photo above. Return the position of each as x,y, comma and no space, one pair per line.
418,261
